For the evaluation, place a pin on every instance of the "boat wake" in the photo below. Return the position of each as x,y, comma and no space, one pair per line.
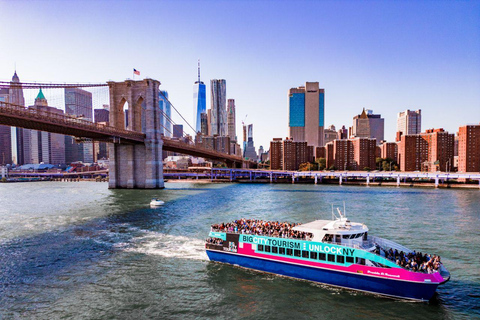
169,246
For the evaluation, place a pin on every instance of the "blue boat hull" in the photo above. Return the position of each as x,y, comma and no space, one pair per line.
388,287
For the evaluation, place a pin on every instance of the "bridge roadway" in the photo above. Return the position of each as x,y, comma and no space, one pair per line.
19,116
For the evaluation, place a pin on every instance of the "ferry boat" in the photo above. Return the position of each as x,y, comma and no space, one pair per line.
335,252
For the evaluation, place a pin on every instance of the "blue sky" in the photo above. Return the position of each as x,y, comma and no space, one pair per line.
383,55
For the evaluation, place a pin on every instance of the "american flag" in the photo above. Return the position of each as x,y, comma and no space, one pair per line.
135,71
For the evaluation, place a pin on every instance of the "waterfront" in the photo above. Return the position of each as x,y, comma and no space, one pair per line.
80,250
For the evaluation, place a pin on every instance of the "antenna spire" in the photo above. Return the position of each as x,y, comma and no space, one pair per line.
199,70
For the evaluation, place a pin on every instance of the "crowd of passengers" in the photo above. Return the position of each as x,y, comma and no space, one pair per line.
262,228
215,241
414,261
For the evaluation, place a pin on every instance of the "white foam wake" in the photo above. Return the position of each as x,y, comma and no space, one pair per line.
169,246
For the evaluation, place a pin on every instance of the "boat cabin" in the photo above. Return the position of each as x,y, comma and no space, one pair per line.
340,231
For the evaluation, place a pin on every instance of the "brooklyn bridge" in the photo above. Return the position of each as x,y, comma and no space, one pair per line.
135,142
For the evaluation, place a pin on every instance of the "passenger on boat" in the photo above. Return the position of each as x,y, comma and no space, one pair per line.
415,261
215,241
262,228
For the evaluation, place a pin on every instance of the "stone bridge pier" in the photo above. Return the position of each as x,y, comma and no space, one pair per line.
136,166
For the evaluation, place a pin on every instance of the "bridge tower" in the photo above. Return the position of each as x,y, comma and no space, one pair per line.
136,166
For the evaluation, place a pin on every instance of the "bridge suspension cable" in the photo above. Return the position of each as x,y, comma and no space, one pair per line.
36,85
178,112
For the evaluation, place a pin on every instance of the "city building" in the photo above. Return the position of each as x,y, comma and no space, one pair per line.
306,114
330,134
389,150
177,130
260,152
14,142
340,155
429,151
222,144
204,124
218,120
289,154
46,147
101,116
165,114
249,149
276,154
364,153
368,125
409,122
342,133
199,101
232,132
78,103
469,148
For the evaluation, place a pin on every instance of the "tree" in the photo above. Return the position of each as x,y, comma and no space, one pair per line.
322,163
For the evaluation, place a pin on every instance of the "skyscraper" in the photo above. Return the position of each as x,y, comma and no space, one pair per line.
249,150
219,113
409,122
199,101
46,147
368,125
78,103
307,113
232,132
5,134
165,114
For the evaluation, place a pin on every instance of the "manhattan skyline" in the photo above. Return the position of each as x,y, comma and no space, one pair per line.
385,56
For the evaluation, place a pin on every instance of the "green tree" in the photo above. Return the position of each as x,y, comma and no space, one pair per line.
322,163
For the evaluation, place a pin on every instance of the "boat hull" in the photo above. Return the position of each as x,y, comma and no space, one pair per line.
389,287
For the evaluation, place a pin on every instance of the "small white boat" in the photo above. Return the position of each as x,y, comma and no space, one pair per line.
156,202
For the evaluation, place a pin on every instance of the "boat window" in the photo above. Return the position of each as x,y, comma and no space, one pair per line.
322,256
365,236
361,261
281,250
313,255
304,254
349,259
260,247
331,257
267,249
340,259
297,253
327,238
274,249
290,252
359,235
337,238
346,236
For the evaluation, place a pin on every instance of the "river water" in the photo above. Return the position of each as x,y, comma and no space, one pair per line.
82,251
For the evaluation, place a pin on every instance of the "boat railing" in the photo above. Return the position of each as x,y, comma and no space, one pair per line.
387,244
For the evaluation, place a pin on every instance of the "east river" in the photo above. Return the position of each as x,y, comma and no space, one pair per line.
81,251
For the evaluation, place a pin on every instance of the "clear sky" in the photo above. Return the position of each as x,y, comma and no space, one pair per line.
383,55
